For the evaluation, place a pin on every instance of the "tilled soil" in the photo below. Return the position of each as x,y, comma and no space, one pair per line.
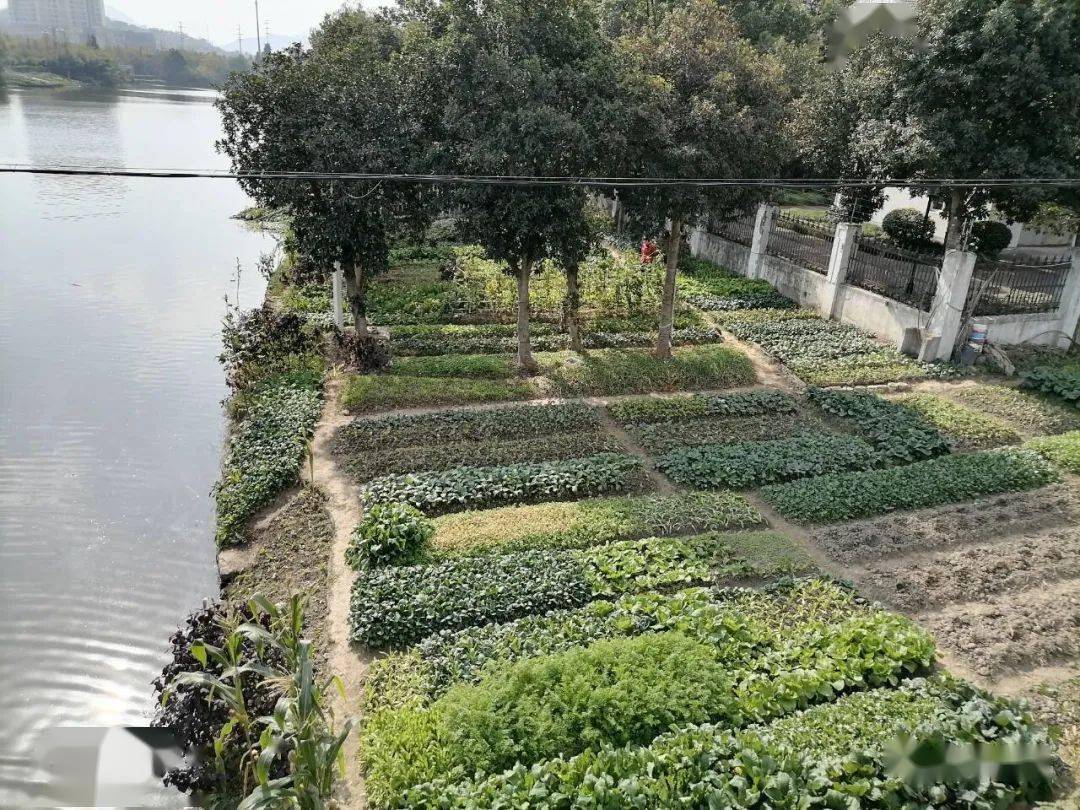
972,573
997,518
1019,630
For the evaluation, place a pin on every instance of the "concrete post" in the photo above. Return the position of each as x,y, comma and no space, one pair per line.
947,310
339,282
763,225
836,275
1069,309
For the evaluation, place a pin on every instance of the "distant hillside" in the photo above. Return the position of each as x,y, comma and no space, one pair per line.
249,44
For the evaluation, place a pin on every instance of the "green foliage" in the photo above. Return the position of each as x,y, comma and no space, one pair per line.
649,410
475,487
989,237
750,464
506,423
909,228
392,303
899,435
370,392
365,465
964,428
927,483
389,533
709,287
578,524
610,371
266,449
665,437
645,565
1058,382
1027,410
478,366
1063,450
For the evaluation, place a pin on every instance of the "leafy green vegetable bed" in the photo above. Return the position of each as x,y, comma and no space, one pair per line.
1059,382
900,435
926,483
591,522
436,493
266,449
1025,410
964,428
375,392
666,437
748,464
611,371
655,410
1063,450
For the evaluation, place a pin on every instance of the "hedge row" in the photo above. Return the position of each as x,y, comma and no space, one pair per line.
626,692
751,464
437,493
368,464
926,483
829,755
963,428
590,522
898,434
653,410
266,449
511,422
393,606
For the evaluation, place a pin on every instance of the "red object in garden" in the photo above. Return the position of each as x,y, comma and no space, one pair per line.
649,251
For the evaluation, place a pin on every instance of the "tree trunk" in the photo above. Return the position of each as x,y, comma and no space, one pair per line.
573,307
525,360
954,232
667,303
356,284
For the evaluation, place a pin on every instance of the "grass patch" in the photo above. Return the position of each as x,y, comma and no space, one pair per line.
964,428
1024,410
612,371
596,521
945,479
1063,450
363,393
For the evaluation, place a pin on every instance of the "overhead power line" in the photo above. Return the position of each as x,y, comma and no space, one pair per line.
539,181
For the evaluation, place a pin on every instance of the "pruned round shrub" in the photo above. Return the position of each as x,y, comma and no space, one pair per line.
990,237
389,533
908,227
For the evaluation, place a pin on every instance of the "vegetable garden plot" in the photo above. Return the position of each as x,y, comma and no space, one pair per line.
665,437
659,410
963,428
1063,451
1024,410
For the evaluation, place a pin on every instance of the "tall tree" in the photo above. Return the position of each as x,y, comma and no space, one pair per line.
337,106
990,91
703,103
529,85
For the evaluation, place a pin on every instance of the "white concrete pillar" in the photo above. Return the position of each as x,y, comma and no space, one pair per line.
836,275
763,225
1069,309
947,310
339,283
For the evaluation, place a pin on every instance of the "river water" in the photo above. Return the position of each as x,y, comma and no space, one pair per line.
111,298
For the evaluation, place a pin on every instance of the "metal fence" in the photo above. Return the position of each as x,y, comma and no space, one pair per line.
804,241
737,230
903,275
1018,284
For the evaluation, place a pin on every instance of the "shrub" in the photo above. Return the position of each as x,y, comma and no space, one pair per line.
629,372
591,522
368,464
925,483
365,353
266,450
1063,450
1027,410
748,464
648,410
964,428
362,393
510,422
1058,382
899,435
990,237
261,343
908,227
476,487
477,366
389,533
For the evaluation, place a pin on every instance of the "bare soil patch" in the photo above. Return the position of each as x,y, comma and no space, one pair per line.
994,518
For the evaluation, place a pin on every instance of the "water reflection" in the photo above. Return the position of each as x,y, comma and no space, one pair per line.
111,296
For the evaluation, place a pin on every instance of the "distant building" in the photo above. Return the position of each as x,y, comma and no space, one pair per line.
71,20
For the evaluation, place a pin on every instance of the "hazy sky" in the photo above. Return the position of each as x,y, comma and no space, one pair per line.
219,18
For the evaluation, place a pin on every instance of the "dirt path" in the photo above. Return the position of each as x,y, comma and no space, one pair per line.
343,659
